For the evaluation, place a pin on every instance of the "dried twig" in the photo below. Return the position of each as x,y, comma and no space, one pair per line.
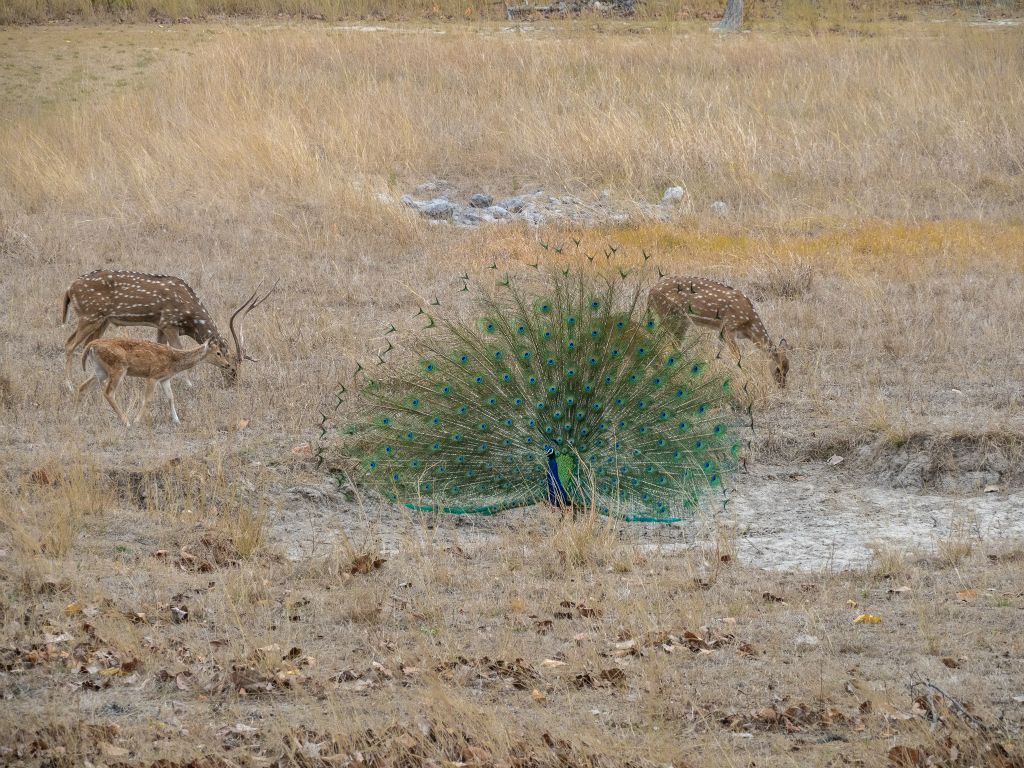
917,681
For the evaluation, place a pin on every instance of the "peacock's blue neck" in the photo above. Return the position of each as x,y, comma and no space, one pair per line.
557,495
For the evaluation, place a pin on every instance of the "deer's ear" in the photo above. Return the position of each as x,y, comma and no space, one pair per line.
783,344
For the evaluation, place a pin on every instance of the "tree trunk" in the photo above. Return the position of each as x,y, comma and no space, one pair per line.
732,19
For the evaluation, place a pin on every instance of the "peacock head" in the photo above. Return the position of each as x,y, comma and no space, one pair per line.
781,363
549,451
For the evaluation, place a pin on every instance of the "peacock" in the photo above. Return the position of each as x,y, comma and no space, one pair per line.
572,393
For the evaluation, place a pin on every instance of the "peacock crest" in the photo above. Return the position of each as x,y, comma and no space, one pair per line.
570,393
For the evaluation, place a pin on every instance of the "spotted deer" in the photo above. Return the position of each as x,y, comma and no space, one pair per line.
678,301
103,298
113,359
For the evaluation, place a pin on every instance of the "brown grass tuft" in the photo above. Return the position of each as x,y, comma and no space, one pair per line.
788,278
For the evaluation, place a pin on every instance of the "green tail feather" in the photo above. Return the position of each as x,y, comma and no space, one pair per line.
639,427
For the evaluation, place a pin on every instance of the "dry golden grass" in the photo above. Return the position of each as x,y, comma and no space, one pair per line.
154,582
783,128
803,15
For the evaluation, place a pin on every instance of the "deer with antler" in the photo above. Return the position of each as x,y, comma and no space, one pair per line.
678,301
103,298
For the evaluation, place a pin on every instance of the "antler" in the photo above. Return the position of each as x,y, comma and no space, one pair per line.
244,309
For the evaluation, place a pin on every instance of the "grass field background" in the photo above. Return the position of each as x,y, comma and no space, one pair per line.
875,183
803,15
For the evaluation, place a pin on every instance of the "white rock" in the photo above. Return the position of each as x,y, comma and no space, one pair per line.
673,195
805,642
512,204
469,217
438,208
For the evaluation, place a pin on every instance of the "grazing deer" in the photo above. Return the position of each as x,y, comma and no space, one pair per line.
103,298
678,301
113,359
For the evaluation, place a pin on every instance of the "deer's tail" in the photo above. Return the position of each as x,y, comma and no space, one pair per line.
67,307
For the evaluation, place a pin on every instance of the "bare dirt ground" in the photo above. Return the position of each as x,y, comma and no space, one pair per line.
206,596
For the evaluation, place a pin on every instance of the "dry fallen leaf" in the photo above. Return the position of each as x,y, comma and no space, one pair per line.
538,695
302,449
950,662
544,625
967,594
365,564
906,757
852,603
552,663
72,609
242,424
868,618
408,741
615,676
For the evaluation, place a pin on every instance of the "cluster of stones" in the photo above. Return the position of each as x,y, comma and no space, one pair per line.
538,207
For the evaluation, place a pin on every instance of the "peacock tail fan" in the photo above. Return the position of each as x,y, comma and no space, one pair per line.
576,396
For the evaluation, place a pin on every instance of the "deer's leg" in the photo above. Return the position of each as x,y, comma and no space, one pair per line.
165,385
146,393
84,333
721,343
677,324
113,381
170,335
99,374
69,352
82,387
729,336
